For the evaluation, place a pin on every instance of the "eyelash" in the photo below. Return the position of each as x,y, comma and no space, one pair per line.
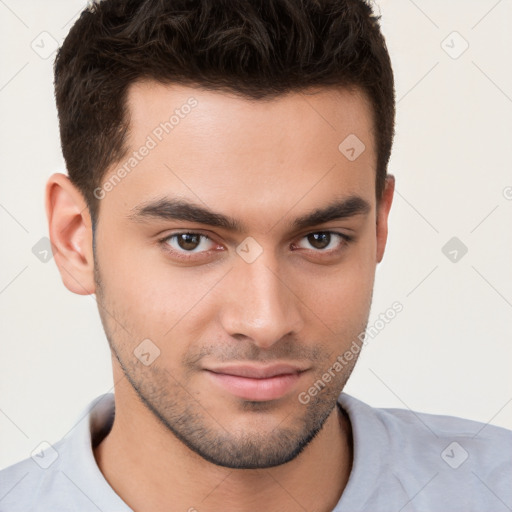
189,255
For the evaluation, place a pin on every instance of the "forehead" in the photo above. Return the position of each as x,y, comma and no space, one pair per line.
226,116
234,153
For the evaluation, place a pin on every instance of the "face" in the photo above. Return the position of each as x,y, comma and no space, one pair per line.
235,261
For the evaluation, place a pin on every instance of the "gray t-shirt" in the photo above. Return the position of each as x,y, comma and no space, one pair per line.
403,461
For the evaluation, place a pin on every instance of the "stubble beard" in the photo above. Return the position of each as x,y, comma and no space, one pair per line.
189,420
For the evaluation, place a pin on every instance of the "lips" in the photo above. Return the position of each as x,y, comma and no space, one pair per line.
256,383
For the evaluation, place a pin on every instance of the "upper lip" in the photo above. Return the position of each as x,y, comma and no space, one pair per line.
257,372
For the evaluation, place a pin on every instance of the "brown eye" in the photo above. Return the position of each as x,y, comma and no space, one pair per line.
188,241
327,242
319,240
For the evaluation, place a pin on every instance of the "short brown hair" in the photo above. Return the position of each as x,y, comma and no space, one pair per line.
256,48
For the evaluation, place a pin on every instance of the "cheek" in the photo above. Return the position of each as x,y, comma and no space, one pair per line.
158,300
342,301
339,295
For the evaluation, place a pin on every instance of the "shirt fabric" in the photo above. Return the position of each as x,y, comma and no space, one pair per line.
404,461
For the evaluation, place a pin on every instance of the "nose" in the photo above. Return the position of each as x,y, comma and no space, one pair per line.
259,304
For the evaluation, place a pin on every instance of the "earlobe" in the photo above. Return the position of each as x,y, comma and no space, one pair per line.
383,214
70,230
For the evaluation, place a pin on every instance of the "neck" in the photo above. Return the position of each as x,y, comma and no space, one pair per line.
157,472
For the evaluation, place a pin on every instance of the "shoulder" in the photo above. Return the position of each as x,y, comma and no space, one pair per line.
20,484
55,476
405,427
434,455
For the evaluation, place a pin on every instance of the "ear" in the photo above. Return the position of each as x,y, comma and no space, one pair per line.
70,232
382,215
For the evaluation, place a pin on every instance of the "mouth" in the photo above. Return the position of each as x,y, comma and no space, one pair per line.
256,383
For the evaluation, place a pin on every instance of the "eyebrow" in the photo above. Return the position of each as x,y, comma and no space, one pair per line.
185,210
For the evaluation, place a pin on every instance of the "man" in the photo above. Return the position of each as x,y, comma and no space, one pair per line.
227,203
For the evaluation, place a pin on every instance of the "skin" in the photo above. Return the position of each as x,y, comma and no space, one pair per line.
264,164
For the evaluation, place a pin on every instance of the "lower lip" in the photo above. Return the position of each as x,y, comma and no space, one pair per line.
247,388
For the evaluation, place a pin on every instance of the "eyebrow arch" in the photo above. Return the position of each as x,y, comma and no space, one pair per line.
184,210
